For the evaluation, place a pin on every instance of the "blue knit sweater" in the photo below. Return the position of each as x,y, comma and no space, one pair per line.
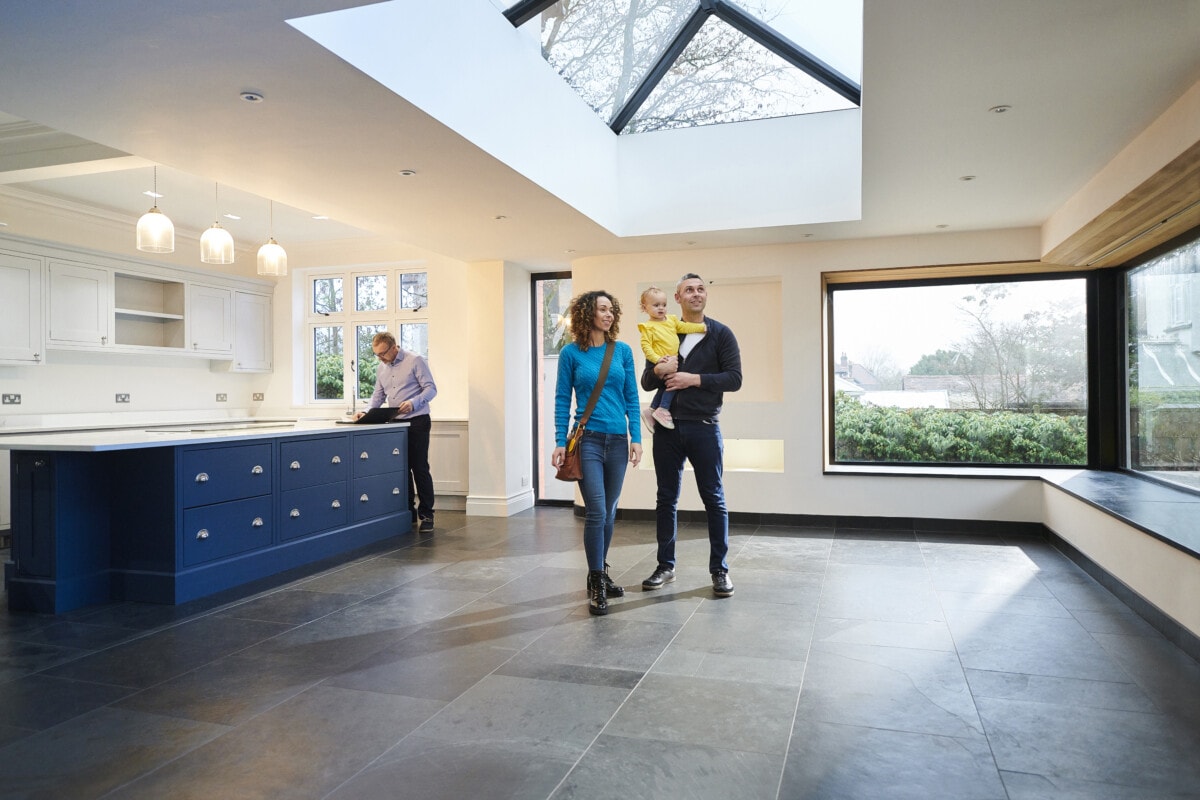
617,408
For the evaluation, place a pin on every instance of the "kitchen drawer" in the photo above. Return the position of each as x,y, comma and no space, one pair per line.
377,453
311,462
377,495
313,509
217,474
217,531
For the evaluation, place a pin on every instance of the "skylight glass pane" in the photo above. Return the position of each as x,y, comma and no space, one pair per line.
603,48
723,76
831,31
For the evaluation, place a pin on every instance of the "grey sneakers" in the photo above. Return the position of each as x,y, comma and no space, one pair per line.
722,586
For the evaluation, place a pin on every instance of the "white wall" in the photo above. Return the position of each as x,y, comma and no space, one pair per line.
802,488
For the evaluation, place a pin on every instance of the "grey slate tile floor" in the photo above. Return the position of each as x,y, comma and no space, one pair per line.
849,664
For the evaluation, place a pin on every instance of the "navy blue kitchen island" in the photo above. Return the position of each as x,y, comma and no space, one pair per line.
172,514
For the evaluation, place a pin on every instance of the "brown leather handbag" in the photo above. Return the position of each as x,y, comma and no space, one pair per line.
571,468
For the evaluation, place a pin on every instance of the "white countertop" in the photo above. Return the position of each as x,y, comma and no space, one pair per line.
166,435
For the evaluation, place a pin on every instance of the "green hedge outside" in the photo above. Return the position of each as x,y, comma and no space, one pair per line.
875,434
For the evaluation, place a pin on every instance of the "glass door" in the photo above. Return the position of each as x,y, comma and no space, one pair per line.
551,297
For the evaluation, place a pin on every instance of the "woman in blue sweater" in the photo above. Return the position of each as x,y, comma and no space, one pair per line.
612,436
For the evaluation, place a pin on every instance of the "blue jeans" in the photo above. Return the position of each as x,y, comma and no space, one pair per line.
603,458
700,444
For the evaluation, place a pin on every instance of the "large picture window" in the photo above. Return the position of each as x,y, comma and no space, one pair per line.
346,310
1163,367
985,372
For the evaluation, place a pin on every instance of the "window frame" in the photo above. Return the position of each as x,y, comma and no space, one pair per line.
391,318
1102,432
1124,446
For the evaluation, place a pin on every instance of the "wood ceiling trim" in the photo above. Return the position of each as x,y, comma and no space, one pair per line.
945,271
1163,206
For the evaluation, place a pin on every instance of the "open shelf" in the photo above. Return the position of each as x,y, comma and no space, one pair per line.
148,311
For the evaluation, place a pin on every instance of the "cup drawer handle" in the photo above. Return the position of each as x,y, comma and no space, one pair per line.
202,534
202,477
256,469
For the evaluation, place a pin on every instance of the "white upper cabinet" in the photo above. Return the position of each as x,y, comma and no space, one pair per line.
60,298
210,317
22,338
80,305
253,349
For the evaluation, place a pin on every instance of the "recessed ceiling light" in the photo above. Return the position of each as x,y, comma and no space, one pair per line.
252,97
999,109
321,216
499,217
967,178
568,251
231,216
407,173
149,193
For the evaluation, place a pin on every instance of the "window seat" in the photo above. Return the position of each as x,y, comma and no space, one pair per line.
1168,514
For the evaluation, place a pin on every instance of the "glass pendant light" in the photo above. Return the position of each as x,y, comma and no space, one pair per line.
272,260
216,245
155,231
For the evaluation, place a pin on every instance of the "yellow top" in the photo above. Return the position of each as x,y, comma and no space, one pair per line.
661,338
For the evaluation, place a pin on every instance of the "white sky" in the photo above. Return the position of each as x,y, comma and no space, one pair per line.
908,323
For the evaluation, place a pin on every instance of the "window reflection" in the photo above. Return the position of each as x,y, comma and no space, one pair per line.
1163,369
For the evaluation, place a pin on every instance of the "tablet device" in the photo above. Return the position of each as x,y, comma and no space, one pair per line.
375,416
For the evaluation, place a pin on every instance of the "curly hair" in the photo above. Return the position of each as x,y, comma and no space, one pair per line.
583,310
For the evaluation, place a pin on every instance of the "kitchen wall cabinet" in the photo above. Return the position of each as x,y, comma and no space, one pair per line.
253,348
210,317
80,305
79,300
22,336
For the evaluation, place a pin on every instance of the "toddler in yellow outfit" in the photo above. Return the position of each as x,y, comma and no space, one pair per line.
660,341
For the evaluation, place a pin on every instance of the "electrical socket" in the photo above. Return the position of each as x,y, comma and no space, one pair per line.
221,397
12,399
258,396
122,398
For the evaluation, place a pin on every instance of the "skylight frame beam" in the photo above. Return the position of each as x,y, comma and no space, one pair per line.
786,49
682,39
520,13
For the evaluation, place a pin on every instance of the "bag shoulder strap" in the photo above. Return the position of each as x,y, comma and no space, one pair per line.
591,404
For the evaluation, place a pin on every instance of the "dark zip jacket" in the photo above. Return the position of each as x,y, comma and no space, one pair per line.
718,361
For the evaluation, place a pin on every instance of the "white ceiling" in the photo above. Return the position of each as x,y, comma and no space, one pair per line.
161,82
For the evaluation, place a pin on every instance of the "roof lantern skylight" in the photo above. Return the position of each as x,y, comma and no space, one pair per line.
646,65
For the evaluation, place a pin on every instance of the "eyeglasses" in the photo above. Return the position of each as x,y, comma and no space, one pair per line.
382,356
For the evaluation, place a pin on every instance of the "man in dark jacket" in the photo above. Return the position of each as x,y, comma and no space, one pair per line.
711,365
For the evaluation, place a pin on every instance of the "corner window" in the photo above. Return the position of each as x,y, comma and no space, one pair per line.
991,372
395,300
1163,367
